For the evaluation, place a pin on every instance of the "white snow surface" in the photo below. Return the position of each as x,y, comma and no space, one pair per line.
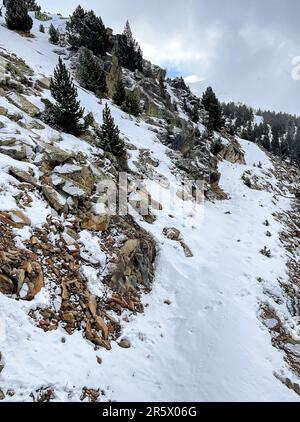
208,345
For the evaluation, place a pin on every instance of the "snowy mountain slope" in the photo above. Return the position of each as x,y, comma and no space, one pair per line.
200,337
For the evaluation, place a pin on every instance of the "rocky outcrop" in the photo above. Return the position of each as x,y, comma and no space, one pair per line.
233,153
114,76
135,266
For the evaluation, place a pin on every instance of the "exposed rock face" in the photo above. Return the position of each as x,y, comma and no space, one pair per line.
114,76
233,153
135,265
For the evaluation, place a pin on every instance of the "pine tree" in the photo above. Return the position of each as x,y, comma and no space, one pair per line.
275,140
195,114
128,33
131,105
54,34
120,94
109,135
85,29
42,28
67,111
75,27
17,17
128,50
214,109
32,5
90,73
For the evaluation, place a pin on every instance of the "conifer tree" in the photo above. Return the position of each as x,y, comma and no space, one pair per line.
75,27
32,5
195,114
110,135
213,107
85,29
17,17
128,50
120,94
42,28
67,112
90,73
131,105
128,33
54,34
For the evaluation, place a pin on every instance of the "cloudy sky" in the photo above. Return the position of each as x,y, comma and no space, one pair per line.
243,48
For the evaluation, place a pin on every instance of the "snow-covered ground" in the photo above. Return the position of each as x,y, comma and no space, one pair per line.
208,344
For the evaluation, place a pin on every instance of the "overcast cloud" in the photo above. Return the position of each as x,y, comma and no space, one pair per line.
243,48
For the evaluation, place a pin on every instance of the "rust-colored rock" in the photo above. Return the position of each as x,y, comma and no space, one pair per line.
98,223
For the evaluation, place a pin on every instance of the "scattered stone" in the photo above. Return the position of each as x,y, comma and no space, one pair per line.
266,252
55,199
99,360
172,233
15,218
91,394
3,111
43,83
167,302
125,344
7,286
2,395
34,124
187,251
95,222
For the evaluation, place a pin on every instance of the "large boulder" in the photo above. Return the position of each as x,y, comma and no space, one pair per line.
43,83
23,103
55,155
17,151
81,176
23,176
